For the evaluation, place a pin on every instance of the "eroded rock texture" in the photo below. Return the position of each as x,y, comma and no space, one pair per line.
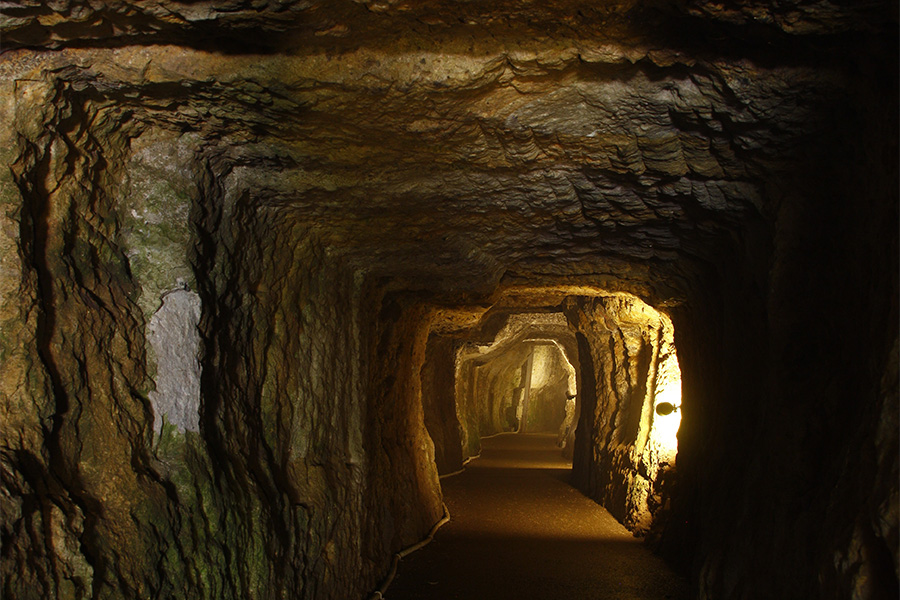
229,230
629,366
520,381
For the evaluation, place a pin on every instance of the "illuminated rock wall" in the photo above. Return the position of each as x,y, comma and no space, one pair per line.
549,386
628,366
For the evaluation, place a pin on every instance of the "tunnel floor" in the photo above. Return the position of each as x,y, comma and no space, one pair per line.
518,530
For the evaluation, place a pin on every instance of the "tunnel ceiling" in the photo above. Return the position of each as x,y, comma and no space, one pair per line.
458,145
519,328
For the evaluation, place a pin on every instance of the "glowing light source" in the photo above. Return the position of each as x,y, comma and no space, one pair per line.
665,425
666,408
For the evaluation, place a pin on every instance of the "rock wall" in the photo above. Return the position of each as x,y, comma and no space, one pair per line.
549,388
199,402
439,403
776,382
405,494
228,230
283,407
313,414
628,360
79,500
468,408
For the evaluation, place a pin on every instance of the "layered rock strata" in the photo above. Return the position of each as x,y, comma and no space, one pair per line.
229,230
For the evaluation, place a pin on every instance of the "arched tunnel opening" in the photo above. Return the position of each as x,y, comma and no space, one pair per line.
524,378
272,270
507,438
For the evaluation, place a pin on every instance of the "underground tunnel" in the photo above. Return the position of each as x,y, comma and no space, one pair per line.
270,269
525,380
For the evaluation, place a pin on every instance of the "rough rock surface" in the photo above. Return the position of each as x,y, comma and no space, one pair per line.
175,339
491,373
339,181
628,367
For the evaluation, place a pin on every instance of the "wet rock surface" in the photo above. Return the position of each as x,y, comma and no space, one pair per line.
337,182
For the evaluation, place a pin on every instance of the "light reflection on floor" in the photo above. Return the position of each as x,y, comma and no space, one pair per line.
518,530
518,451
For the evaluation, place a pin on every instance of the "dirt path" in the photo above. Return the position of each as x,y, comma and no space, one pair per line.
519,531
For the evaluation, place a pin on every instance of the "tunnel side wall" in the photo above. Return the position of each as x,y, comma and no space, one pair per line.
76,416
467,407
403,479
788,451
614,460
439,403
285,463
547,402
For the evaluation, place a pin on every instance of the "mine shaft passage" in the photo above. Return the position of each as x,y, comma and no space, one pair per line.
519,530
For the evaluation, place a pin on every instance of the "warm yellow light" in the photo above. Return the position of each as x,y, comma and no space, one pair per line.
542,367
540,378
665,427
